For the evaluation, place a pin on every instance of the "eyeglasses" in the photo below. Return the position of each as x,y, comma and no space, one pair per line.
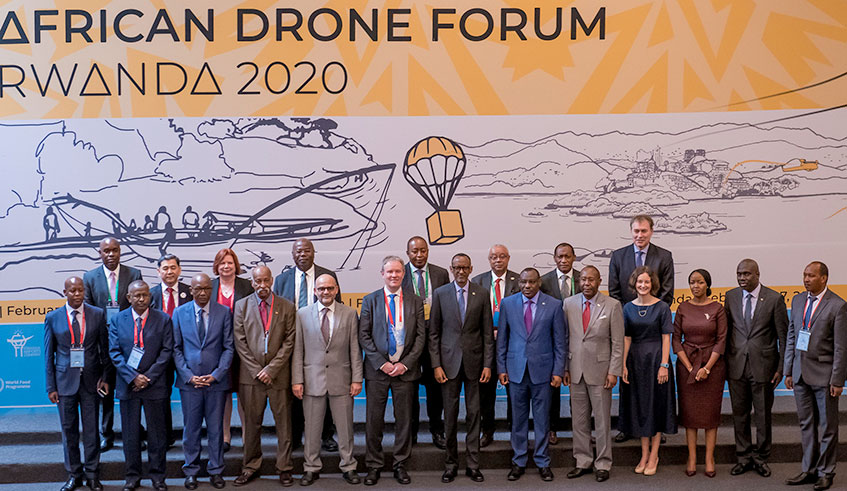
460,268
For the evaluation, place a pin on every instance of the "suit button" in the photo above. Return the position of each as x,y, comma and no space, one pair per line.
327,351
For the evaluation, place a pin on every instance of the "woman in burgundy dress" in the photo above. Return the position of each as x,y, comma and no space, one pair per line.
699,339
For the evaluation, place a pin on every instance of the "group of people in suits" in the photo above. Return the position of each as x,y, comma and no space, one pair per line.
291,344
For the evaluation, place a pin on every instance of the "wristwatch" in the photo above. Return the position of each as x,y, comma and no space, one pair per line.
664,365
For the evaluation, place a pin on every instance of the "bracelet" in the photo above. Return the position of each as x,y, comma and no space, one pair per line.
708,372
664,365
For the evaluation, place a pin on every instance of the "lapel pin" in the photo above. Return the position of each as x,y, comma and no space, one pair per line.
473,293
543,303
707,316
182,295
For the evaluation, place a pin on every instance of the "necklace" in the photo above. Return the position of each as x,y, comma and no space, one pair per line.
642,313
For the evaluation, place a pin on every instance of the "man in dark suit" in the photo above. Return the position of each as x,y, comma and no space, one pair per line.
459,326
391,333
755,353
532,343
141,346
106,287
203,351
167,296
423,279
560,283
76,349
501,282
642,252
297,285
815,367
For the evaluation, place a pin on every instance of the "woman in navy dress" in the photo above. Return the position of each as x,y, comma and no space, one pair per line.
648,407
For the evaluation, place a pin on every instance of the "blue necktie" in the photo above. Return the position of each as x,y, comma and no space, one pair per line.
392,343
201,326
807,319
748,311
639,258
461,298
302,301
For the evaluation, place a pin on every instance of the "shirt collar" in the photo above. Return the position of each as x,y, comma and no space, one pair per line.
460,288
117,271
559,273
502,277
197,308
321,306
534,299
415,270
143,316
636,249
259,299
821,294
71,310
592,301
755,292
387,292
165,287
310,273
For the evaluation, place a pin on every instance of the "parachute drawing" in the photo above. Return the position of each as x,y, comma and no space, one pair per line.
434,166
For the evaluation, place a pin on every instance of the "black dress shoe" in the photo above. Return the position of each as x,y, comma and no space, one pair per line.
763,469
309,478
160,486
329,445
516,472
802,478
621,437
601,475
372,477
740,468
546,474
578,472
449,475
824,482
245,477
285,479
106,444
475,475
130,485
94,484
227,447
486,440
191,482
402,476
217,481
72,483
439,441
351,477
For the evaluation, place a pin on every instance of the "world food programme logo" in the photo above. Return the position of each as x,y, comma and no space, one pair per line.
18,341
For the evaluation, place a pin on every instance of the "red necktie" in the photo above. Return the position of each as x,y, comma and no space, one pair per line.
586,316
263,311
169,308
497,295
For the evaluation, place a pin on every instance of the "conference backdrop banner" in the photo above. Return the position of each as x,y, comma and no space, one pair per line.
186,129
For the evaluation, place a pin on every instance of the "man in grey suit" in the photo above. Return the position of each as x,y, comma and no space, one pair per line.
459,326
815,367
755,353
596,355
327,368
502,282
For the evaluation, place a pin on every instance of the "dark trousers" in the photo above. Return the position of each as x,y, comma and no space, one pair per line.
154,414
451,391
818,414
197,406
253,399
434,399
487,402
523,395
70,407
298,422
169,418
746,395
108,404
555,408
376,393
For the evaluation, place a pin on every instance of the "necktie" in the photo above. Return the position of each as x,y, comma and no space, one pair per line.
392,342
201,326
527,317
586,317
497,295
421,290
807,319
263,311
139,326
302,300
112,280
169,307
563,286
639,258
748,311
76,328
325,325
461,299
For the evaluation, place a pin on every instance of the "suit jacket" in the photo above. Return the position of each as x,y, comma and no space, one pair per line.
597,351
250,341
438,277
183,296
759,345
97,286
321,368
550,283
61,377
455,342
243,288
158,350
622,265
825,362
373,335
542,353
212,356
284,284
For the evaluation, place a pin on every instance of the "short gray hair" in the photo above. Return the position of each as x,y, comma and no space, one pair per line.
390,259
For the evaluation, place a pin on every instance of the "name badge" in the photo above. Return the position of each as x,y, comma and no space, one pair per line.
111,311
497,319
803,340
77,358
266,342
135,357
427,308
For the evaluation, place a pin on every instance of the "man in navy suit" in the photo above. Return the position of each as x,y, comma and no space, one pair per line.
167,296
203,351
76,347
532,343
297,285
106,287
141,346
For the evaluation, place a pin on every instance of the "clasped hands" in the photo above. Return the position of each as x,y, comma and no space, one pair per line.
393,369
140,382
201,381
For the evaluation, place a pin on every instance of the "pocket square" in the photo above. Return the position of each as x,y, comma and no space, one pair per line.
602,317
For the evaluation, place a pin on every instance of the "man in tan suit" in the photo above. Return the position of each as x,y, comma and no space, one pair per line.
596,354
327,366
263,325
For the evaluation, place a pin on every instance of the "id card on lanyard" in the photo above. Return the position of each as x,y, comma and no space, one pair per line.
496,310
267,324
77,352
425,296
138,345
112,305
806,333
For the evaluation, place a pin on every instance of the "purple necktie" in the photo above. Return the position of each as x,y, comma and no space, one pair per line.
527,317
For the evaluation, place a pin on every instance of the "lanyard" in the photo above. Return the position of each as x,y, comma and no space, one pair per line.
267,324
814,309
426,285
81,328
494,292
388,308
139,337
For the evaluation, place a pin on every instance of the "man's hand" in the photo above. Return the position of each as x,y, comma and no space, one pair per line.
440,376
103,386
399,369
566,380
387,368
486,376
504,379
298,390
54,397
355,389
835,391
208,379
197,382
556,382
264,377
140,382
789,382
776,379
611,382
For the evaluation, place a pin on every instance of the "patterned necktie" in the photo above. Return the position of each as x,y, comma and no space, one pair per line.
563,287
201,326
76,328
112,281
639,258
527,317
392,342
461,298
421,286
169,307
263,311
302,299
586,317
497,295
807,319
325,325
748,311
